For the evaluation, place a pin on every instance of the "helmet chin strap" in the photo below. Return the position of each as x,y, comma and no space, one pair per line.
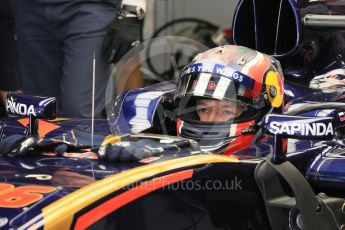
256,128
252,129
262,114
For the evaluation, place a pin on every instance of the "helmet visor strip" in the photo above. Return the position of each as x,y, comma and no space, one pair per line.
207,85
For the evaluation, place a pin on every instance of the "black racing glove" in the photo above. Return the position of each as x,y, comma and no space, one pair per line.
123,34
139,150
21,145
17,145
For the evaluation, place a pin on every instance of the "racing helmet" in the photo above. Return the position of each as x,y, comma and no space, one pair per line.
239,85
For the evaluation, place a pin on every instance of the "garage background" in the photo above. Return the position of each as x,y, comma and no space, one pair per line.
159,12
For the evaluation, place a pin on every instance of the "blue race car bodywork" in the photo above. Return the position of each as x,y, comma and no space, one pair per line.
271,185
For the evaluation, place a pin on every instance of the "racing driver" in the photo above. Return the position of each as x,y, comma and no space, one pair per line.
224,93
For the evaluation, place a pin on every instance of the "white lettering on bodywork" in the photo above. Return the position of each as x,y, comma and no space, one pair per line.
19,108
303,129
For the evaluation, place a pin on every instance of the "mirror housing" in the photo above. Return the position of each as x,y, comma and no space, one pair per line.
25,105
299,127
34,107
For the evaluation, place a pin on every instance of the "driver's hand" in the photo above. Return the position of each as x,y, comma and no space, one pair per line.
136,151
17,145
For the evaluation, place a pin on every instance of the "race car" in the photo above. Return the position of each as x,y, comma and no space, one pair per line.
59,174
181,189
